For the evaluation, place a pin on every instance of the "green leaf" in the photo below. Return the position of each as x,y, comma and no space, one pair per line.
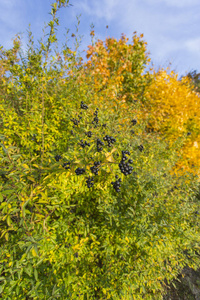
8,192
29,269
2,278
8,221
2,137
4,149
24,206
39,262
1,288
17,290
1,197
36,274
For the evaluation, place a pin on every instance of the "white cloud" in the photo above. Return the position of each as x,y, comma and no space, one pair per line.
168,32
170,27
193,45
174,3
105,9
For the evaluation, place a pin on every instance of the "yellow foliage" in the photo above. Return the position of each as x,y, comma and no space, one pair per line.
173,109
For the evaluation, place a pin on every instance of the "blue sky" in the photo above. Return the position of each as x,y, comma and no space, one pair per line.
170,27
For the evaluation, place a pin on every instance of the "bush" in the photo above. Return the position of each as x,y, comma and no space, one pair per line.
89,205
64,237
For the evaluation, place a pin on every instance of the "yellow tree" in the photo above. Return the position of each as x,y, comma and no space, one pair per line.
113,77
172,108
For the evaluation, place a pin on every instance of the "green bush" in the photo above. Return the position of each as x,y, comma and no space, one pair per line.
61,237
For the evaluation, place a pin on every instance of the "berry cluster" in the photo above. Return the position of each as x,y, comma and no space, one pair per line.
96,119
134,122
58,157
66,165
125,168
109,139
116,184
89,133
95,168
84,144
79,171
83,106
90,182
75,121
99,144
141,147
124,164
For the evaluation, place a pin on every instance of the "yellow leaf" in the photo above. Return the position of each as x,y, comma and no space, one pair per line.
9,221
23,256
104,291
25,166
34,252
127,239
31,178
6,236
109,155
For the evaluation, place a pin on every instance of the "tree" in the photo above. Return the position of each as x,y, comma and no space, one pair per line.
172,109
195,77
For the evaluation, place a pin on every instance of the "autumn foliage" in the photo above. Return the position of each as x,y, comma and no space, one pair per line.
115,71
172,108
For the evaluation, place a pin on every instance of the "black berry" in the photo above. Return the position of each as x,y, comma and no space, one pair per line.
99,144
89,133
124,166
141,147
90,182
79,171
66,165
58,157
83,106
84,144
116,184
94,169
134,122
75,121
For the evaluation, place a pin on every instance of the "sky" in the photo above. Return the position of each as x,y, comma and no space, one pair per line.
170,27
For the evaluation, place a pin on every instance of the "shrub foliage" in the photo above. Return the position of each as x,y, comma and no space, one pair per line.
89,205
